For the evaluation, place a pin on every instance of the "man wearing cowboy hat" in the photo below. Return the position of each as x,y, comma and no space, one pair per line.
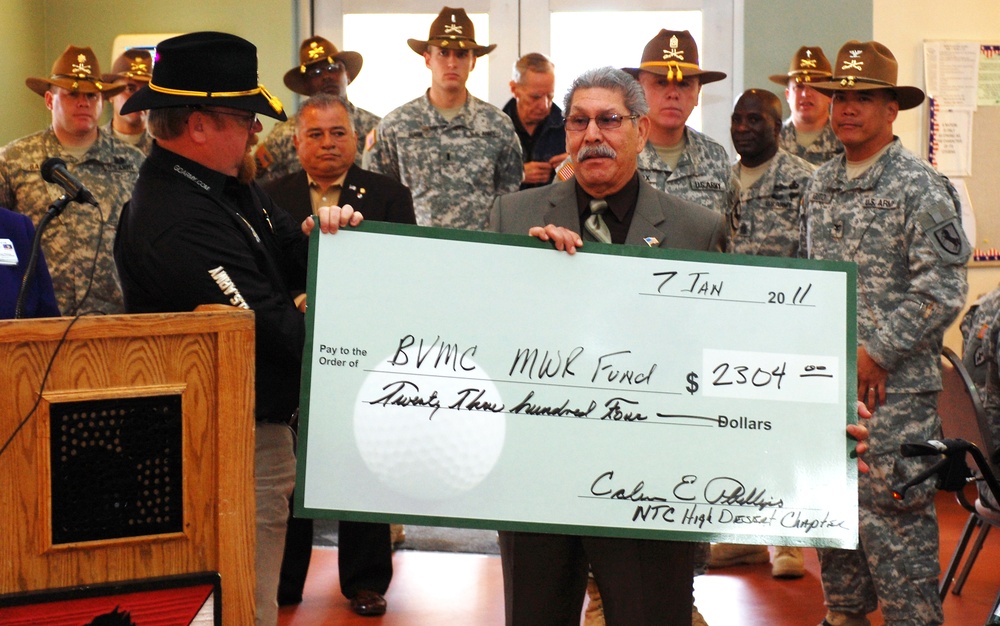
77,244
807,133
132,68
679,159
199,230
455,152
321,69
883,208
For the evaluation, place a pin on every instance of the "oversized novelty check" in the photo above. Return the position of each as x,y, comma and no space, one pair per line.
482,380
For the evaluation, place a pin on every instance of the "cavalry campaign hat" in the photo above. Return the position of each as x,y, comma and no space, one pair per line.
451,29
809,65
205,68
318,50
866,66
674,54
136,64
76,69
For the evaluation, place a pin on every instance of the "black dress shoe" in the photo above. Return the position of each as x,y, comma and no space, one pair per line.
368,603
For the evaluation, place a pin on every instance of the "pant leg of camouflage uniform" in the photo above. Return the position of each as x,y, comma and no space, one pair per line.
897,561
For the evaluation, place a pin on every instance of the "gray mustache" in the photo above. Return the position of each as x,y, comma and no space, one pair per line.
600,150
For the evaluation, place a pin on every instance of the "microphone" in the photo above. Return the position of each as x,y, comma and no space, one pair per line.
54,171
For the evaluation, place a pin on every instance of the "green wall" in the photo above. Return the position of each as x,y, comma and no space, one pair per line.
33,33
21,30
775,29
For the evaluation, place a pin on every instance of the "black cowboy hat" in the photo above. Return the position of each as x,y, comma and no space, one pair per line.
205,68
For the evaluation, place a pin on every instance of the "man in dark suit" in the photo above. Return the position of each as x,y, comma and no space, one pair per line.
325,141
643,582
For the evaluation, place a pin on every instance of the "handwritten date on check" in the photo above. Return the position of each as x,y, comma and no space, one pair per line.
487,381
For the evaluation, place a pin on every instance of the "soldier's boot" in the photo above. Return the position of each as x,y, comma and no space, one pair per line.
836,618
594,615
397,535
787,562
696,617
728,554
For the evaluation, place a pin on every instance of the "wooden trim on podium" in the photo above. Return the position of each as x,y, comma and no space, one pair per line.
207,358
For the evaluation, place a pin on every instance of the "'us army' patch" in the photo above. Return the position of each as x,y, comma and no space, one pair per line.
880,203
706,184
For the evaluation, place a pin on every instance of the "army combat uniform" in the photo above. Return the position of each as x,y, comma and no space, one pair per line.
980,330
454,169
899,222
767,218
108,170
276,156
703,174
822,149
144,144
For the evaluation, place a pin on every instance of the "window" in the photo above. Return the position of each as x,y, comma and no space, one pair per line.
576,34
393,74
620,43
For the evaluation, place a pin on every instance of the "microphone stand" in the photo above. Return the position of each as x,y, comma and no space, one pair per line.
55,209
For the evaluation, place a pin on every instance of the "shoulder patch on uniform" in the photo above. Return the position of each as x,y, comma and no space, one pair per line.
370,139
949,240
565,169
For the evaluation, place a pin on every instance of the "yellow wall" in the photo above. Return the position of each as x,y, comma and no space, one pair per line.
903,25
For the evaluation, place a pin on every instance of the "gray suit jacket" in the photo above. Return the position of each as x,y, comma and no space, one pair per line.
674,222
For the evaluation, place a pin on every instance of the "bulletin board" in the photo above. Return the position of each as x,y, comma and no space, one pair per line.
981,180
984,184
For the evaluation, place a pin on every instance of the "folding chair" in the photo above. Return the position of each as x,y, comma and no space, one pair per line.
965,423
963,417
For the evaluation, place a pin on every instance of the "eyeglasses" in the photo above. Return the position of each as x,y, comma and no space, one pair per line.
333,68
250,121
577,123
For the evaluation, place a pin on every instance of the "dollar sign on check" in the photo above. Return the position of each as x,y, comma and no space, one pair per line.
692,379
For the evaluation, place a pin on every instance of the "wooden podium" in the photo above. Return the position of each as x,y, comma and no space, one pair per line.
137,461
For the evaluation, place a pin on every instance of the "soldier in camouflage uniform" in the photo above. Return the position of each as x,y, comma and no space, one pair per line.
980,330
766,220
108,168
455,152
678,159
807,133
322,69
132,68
886,210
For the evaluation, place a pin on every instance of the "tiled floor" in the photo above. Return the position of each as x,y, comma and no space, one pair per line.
437,588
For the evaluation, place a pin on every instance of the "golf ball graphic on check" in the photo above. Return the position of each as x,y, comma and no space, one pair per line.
429,433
